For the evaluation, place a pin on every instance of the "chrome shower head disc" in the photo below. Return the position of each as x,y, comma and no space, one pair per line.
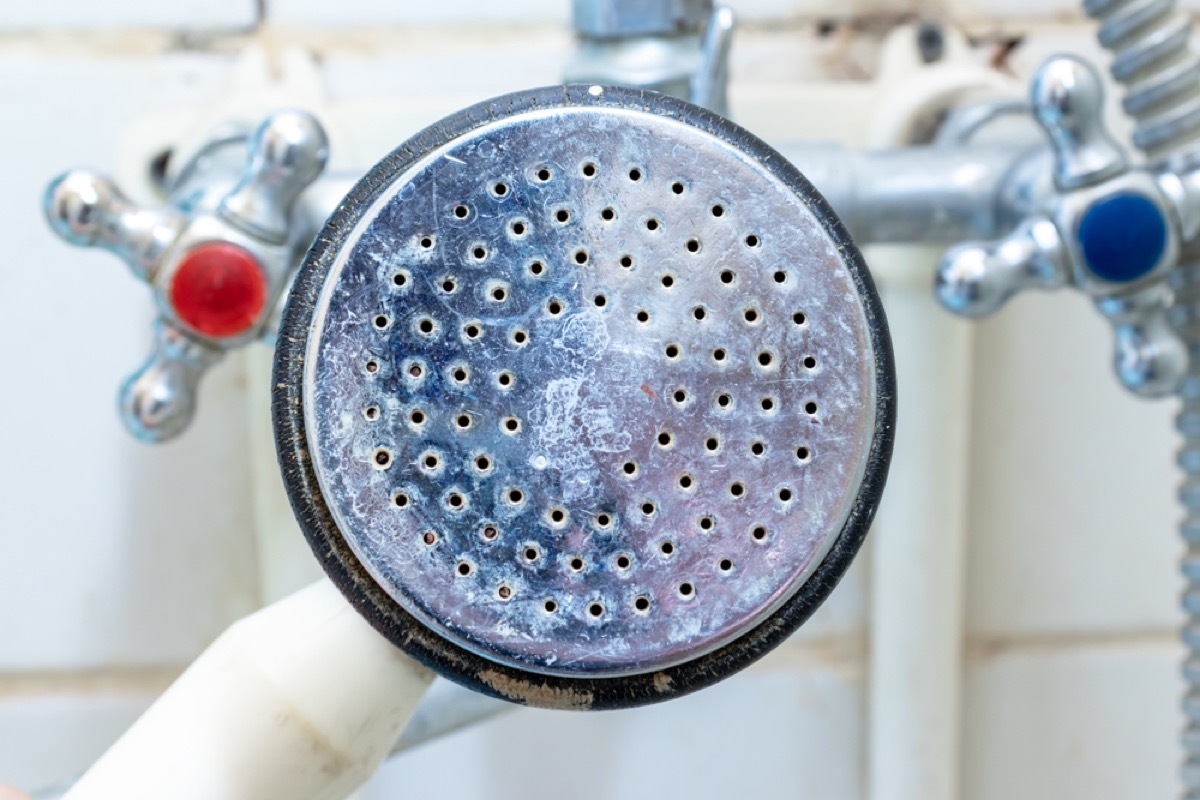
584,397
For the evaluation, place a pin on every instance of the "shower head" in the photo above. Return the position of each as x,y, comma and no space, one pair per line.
584,397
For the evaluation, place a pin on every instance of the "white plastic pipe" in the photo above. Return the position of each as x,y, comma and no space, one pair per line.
918,546
919,542
299,701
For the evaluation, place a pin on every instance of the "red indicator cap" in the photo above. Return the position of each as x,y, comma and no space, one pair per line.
218,289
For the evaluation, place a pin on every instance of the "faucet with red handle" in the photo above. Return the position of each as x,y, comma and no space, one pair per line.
218,262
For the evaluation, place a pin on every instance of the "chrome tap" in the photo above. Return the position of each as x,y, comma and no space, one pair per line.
1110,230
218,259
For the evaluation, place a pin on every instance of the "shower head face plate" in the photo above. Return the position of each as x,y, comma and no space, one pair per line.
589,386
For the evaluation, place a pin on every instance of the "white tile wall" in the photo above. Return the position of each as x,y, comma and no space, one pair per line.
108,14
52,737
1072,481
1073,722
353,13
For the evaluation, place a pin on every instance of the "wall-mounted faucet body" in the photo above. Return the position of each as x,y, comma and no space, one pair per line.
678,47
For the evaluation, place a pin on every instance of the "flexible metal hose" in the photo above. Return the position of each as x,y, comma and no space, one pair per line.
1185,317
1153,58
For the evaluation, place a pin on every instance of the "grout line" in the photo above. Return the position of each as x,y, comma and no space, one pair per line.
130,680
984,648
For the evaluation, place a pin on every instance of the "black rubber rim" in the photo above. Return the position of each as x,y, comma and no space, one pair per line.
426,646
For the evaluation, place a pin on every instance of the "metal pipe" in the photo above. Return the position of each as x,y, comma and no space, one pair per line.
446,708
926,195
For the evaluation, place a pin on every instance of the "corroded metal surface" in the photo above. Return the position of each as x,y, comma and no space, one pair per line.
589,391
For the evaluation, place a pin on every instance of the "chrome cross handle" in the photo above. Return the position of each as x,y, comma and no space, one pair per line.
218,266
1110,230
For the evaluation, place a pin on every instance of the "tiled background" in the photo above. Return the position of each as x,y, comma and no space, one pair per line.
118,562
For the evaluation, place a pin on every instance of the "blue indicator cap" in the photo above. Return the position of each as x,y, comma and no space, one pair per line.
1123,237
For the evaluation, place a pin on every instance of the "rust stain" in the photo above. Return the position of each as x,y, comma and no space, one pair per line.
662,682
649,392
538,695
